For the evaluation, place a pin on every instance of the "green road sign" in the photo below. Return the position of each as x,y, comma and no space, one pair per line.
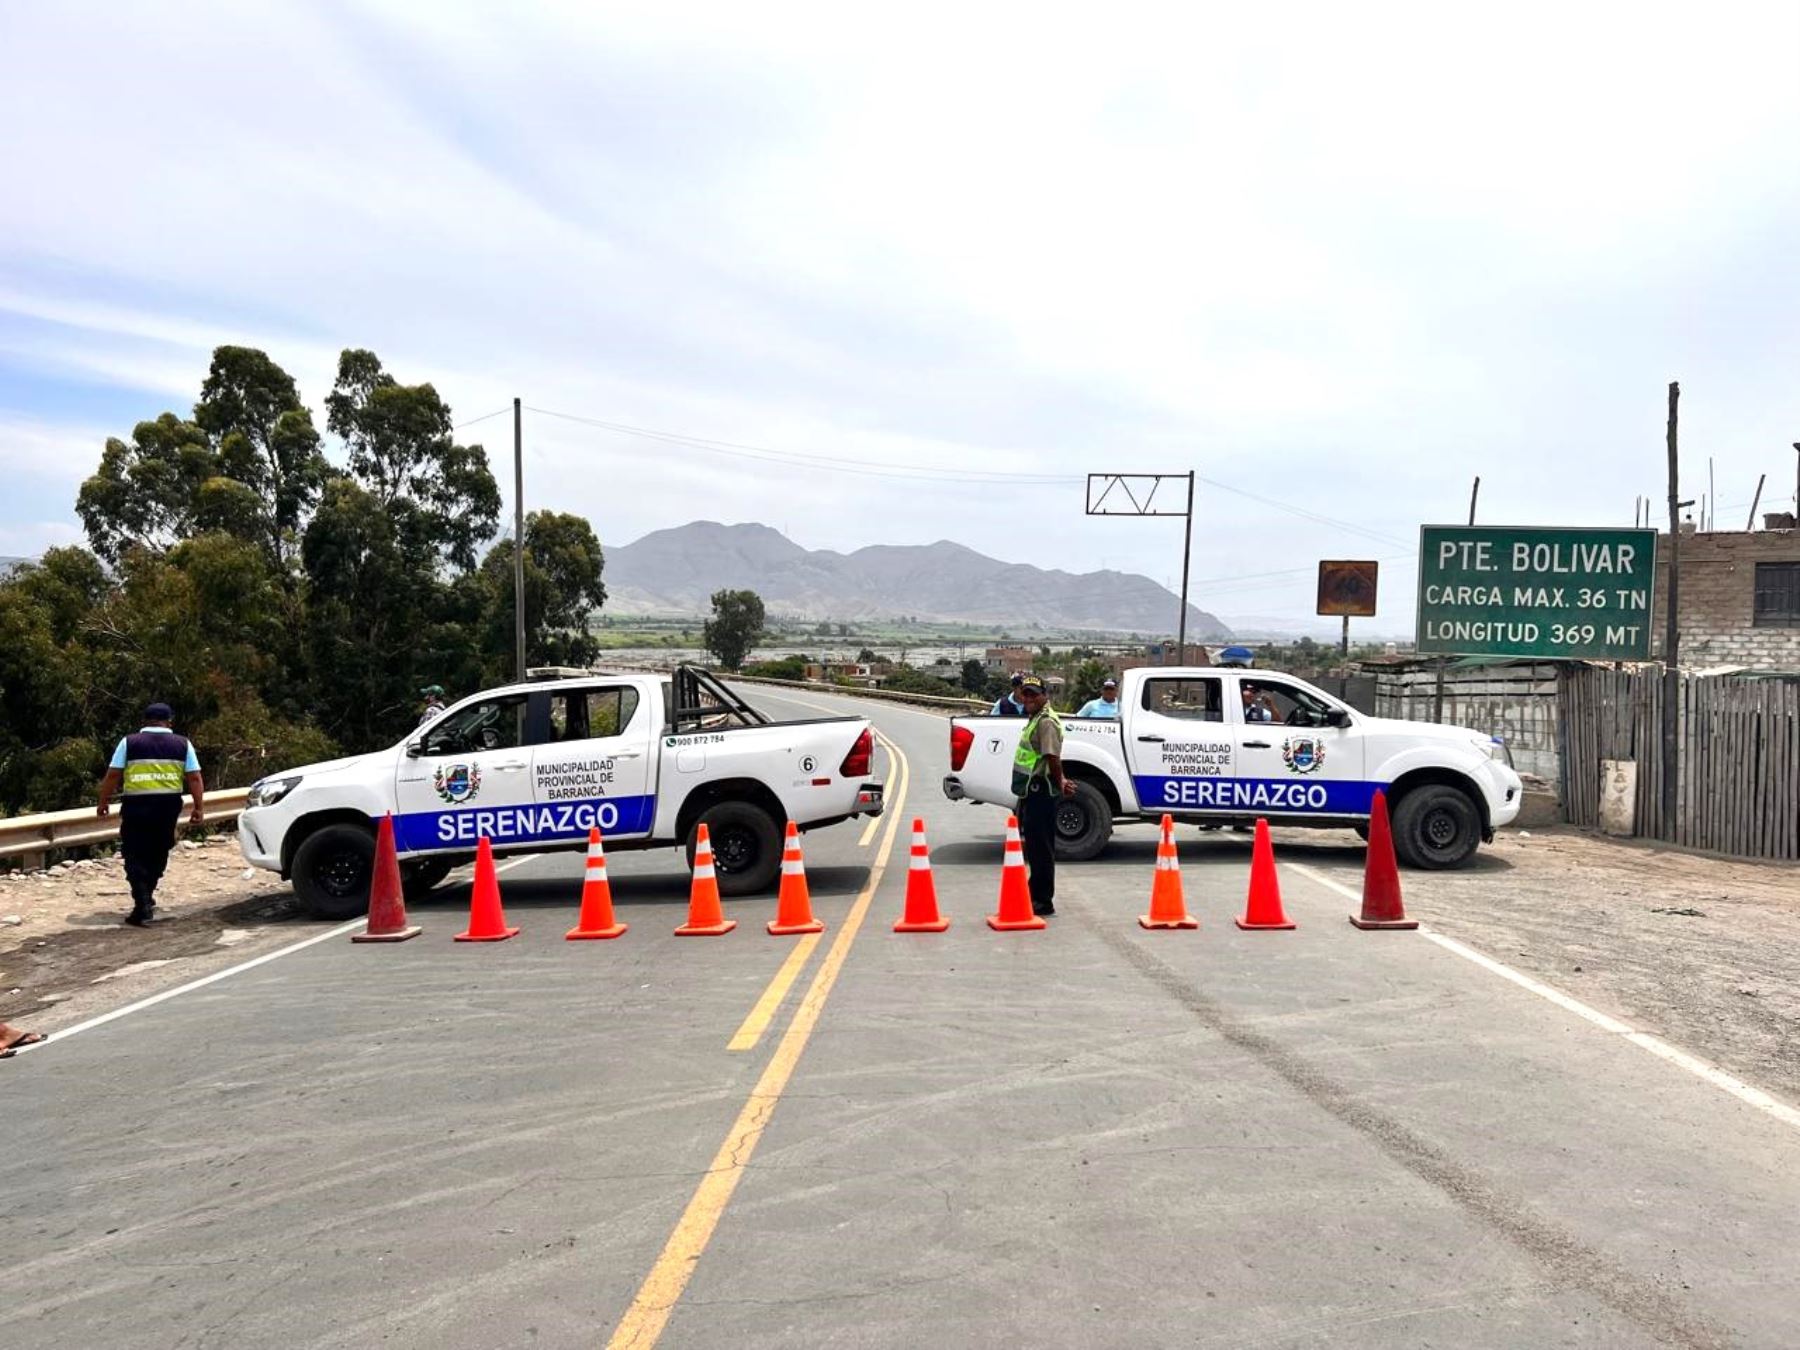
1556,594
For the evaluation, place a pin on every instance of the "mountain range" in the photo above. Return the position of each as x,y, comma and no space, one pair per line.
675,572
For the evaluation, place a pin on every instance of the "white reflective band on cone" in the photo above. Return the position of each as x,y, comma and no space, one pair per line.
792,867
921,863
703,871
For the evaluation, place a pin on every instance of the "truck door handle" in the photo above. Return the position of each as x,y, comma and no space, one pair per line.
1257,745
1157,739
628,754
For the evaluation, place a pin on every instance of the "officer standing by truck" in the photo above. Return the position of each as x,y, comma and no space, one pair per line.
1038,782
149,770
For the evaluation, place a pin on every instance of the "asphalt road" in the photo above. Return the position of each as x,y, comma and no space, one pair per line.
1093,1135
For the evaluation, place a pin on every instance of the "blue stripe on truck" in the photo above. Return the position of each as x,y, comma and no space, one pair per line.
527,823
1324,796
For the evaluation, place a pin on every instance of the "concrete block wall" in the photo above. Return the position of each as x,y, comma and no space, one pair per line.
1718,584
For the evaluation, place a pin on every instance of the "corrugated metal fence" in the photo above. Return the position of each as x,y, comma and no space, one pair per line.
1739,745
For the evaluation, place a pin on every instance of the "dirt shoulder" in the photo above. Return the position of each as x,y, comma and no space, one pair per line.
1698,950
70,956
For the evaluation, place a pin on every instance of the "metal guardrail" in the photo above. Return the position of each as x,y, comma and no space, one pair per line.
34,837
31,837
969,706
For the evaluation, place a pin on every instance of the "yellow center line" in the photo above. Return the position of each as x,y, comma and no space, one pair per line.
649,1312
764,1011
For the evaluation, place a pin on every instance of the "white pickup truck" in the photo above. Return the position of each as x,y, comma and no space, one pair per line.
1225,746
534,766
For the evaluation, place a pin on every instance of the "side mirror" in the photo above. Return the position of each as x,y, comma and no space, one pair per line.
1336,717
415,748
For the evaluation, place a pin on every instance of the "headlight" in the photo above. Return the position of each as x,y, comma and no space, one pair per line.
271,790
1494,748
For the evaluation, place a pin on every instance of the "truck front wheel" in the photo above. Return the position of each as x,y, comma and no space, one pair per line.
746,846
1083,824
1436,827
331,871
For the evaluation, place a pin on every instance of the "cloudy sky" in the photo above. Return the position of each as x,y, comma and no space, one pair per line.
1342,259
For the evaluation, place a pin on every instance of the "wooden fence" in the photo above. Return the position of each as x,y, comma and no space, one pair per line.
1739,748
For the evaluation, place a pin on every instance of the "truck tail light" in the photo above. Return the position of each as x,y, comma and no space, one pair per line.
861,756
962,740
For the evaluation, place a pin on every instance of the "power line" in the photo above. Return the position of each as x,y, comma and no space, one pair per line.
924,472
484,417
804,459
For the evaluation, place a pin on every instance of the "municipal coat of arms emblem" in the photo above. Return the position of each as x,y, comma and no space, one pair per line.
1302,754
457,783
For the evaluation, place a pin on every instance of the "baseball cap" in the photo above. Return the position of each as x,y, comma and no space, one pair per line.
1031,684
1109,684
1017,679
159,712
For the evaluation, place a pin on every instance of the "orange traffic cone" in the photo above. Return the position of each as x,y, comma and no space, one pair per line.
1381,907
1167,907
596,920
387,900
487,921
1263,909
706,918
793,907
1015,895
921,891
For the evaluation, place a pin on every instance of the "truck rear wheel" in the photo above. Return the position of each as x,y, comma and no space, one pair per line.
331,871
746,846
1083,824
1436,827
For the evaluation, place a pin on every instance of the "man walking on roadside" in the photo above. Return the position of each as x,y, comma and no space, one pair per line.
1039,784
149,770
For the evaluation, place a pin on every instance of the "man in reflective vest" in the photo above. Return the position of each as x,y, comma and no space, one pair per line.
148,772
1039,784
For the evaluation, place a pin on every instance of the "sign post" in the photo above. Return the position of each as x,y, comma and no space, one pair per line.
1545,593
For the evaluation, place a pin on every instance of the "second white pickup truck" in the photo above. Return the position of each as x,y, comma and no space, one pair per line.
533,766
1225,746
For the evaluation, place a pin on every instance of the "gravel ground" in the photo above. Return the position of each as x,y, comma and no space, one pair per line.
1699,950
69,956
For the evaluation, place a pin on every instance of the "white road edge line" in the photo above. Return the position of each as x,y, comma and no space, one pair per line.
1710,1073
57,1037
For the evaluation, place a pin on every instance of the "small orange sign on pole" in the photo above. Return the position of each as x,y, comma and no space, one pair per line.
1348,588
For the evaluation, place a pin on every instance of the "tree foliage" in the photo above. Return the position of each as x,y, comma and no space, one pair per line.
288,607
735,626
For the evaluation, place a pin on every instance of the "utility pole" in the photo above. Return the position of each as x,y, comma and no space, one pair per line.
1672,631
1187,548
1442,661
1756,501
1136,496
519,537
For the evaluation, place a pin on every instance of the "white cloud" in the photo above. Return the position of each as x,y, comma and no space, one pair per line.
1345,258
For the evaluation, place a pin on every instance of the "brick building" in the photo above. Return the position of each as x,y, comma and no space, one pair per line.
1740,599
